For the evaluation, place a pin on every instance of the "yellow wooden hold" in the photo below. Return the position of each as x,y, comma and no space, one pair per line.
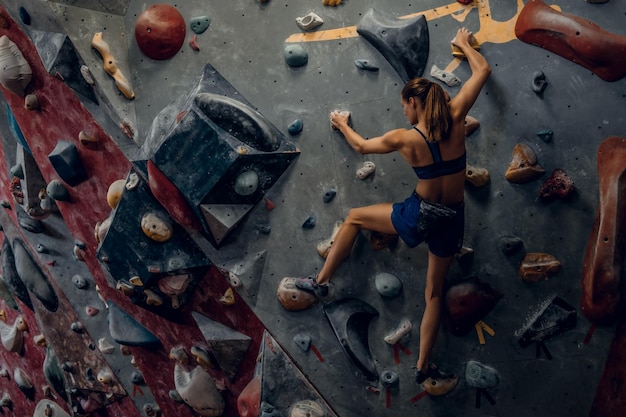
480,326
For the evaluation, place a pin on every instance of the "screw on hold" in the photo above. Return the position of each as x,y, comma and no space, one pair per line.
539,82
545,135
303,341
329,195
309,223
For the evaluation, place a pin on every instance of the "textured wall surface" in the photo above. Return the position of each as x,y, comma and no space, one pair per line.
183,198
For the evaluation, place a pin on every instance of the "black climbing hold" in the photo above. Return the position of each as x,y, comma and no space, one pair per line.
510,245
545,135
555,318
539,82
309,223
24,16
295,127
329,195
365,65
389,378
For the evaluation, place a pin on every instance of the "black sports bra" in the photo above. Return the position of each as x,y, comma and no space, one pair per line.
439,168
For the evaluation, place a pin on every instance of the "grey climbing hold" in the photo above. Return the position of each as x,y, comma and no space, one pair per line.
482,376
79,282
295,127
329,195
365,65
200,24
510,245
66,162
41,248
309,223
309,21
137,378
389,378
247,182
303,341
24,16
296,55
545,135
17,171
57,191
264,228
127,331
539,82
447,77
30,224
388,285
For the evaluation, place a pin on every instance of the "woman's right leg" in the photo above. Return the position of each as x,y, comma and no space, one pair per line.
376,218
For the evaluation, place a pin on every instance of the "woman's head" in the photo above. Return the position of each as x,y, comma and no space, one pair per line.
433,101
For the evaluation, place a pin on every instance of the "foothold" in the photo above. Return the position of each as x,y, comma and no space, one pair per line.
481,376
309,223
160,31
292,298
539,82
555,317
193,43
136,281
105,346
198,390
249,400
156,228
15,73
295,55
332,3
441,384
114,192
151,410
199,24
152,298
5,204
303,341
228,298
87,139
388,285
403,42
295,127
510,245
66,161
40,340
545,135
478,177
559,186
323,248
524,166
137,378
110,66
77,327
538,266
309,21
264,228
366,170
57,191
31,102
304,408
86,73
23,381
17,171
24,16
329,195
389,378
92,311
202,356
403,329
234,280
365,65
444,76
105,376
471,125
79,282
12,336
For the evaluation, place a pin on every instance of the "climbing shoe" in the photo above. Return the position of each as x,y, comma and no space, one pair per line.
310,284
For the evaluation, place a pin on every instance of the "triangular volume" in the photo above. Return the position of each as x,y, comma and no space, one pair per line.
222,218
277,370
32,183
60,59
227,345
245,275
126,330
117,7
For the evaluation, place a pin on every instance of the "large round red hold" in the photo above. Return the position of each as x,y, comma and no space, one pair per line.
160,31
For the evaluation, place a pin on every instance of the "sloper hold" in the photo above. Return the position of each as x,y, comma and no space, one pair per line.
127,331
59,57
11,278
66,162
403,42
227,345
33,277
350,319
574,38
554,318
282,383
467,302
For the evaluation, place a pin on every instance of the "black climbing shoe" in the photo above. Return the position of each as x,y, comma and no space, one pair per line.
309,284
421,376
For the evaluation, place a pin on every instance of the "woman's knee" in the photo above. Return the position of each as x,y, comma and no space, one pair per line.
354,217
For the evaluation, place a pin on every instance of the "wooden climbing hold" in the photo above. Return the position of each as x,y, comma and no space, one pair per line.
110,66
538,266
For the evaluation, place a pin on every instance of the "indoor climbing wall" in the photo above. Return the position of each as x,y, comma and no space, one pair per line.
169,169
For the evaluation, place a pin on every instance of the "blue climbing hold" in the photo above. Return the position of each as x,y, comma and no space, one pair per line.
296,55
295,127
200,24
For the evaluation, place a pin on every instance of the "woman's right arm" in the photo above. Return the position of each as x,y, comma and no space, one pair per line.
464,100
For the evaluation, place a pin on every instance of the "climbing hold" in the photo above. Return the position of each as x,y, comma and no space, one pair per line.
447,77
545,135
329,195
24,16
538,266
247,182
403,329
539,82
160,31
365,65
309,223
125,330
510,245
65,160
481,376
92,311
228,298
15,73
295,127
467,302
403,42
33,277
559,185
523,167
292,298
137,378
57,191
471,125
151,410
249,400
323,248
303,341
114,193
199,24
309,21
306,408
269,205
12,336
198,390
554,317
263,228
86,74
295,55
193,43
366,170
110,66
332,3
77,327
389,378
440,384
388,285
31,102
458,53
478,177
105,346
156,227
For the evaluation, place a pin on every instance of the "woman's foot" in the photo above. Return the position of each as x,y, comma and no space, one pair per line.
310,285
435,382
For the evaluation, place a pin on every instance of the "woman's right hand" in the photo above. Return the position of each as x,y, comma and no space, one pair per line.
463,38
339,119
